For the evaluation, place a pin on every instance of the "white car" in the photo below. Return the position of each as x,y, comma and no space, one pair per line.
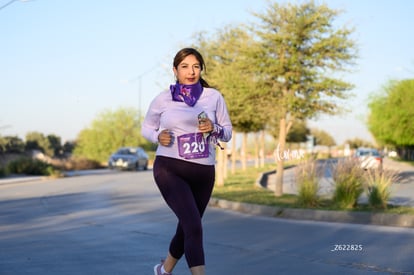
369,158
129,158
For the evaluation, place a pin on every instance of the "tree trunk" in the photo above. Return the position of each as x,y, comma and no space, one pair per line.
225,160
262,148
280,157
233,153
256,150
243,152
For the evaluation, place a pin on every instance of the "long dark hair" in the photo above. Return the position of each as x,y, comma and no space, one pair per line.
183,53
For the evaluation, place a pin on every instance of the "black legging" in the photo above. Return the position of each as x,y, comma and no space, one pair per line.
186,187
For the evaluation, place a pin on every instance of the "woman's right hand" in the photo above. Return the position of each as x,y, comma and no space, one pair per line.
165,138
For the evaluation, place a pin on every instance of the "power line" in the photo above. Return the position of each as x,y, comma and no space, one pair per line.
5,5
11,2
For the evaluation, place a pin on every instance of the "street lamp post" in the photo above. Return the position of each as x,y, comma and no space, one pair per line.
139,97
139,79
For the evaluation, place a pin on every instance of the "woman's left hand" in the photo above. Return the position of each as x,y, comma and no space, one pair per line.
206,126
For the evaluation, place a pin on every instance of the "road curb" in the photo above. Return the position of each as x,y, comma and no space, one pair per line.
12,180
385,219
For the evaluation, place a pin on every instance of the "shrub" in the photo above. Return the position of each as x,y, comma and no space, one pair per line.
378,187
307,182
3,172
76,163
29,166
348,179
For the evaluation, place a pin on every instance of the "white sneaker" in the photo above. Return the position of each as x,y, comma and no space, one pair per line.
157,270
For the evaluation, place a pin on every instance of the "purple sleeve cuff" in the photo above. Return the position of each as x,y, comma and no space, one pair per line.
218,131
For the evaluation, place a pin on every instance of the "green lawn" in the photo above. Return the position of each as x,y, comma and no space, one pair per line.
241,187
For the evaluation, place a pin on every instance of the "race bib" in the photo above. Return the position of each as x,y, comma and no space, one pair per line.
193,146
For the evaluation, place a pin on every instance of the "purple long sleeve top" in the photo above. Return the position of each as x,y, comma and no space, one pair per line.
182,120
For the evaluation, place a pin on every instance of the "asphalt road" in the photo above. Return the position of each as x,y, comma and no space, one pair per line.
117,223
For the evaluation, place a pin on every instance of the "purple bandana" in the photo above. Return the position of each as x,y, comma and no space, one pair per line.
189,94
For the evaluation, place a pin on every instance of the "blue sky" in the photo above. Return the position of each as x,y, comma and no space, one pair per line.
62,62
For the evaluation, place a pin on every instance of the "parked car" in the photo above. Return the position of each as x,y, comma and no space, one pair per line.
369,158
129,158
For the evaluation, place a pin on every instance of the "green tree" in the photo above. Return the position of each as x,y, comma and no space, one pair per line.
323,138
2,144
298,58
11,144
229,69
298,132
109,131
355,143
55,144
38,141
391,114
68,147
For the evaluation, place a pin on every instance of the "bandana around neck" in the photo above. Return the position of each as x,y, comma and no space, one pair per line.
189,94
